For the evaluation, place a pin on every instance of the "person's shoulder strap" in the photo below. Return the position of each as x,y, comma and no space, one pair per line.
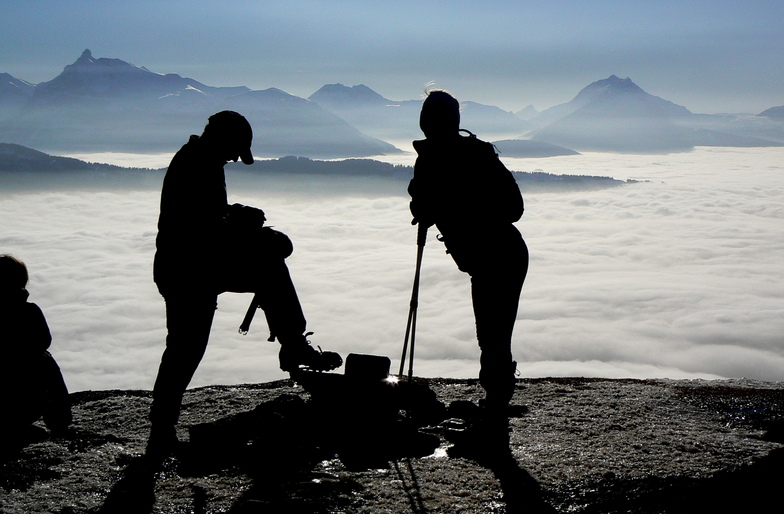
472,139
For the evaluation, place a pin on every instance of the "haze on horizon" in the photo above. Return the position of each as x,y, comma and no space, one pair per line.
709,56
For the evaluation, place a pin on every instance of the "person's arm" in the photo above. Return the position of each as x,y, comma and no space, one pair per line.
422,205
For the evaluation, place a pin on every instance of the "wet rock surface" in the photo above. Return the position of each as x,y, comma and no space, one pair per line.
574,445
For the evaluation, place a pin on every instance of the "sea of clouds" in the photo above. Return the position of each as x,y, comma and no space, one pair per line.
678,275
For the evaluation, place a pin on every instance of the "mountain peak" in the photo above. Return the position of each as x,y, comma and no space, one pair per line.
615,114
338,94
86,60
610,85
774,112
87,56
614,96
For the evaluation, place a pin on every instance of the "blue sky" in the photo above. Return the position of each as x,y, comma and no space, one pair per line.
710,56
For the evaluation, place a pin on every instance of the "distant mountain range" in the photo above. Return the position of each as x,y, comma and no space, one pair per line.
616,115
19,162
14,94
613,114
101,104
109,104
396,120
20,159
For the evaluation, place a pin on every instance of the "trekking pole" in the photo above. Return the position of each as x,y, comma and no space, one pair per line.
412,311
245,326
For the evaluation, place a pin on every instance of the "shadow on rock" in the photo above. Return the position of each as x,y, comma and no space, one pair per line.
134,493
366,424
365,420
14,441
754,487
289,434
410,484
484,438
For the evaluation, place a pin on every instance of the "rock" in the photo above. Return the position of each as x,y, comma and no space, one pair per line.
583,445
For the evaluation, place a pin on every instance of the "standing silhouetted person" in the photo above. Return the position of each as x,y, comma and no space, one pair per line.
206,247
31,384
462,188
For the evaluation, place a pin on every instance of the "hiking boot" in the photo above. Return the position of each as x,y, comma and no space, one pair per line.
161,444
294,355
498,381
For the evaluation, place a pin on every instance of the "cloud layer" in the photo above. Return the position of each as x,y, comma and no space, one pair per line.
675,276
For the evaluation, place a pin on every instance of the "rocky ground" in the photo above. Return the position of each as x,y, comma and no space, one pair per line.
575,446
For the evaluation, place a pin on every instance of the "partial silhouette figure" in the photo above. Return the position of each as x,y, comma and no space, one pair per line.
461,186
31,383
206,247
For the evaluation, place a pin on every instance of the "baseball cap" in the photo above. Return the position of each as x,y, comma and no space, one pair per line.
234,127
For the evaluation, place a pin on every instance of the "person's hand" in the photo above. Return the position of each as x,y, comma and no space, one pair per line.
257,216
423,224
245,215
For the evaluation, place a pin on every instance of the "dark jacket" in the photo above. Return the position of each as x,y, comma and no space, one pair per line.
31,384
192,226
461,186
24,329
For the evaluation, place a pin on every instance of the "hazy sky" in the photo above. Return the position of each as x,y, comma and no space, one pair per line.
708,55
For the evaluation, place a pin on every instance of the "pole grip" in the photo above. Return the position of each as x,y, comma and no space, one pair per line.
421,234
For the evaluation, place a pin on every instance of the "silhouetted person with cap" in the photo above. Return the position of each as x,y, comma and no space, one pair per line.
31,383
461,186
206,247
